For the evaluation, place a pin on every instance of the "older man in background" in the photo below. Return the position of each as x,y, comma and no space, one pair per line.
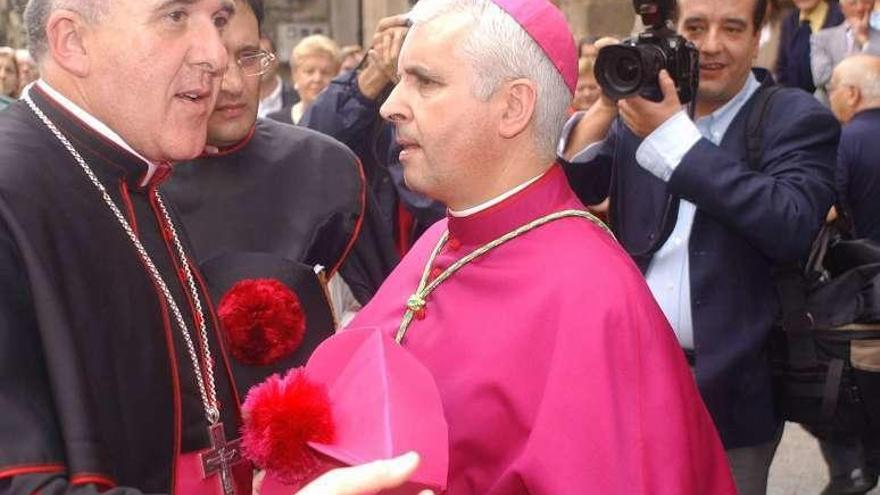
854,95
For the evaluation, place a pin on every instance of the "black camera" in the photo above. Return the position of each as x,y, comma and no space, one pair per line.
632,67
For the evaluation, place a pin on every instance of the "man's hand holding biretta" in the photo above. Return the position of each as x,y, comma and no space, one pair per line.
366,478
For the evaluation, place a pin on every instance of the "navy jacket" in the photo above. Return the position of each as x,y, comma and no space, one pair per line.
858,173
793,64
746,222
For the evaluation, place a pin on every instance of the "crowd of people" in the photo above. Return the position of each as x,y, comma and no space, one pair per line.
588,282
17,70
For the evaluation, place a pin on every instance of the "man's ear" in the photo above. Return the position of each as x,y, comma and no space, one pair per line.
854,97
519,98
64,33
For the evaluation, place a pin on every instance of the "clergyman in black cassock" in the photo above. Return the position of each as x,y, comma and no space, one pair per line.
268,203
274,206
113,375
96,385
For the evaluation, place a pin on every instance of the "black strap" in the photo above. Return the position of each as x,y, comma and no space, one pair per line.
754,124
790,282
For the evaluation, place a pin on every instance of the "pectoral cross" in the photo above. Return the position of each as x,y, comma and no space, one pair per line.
221,457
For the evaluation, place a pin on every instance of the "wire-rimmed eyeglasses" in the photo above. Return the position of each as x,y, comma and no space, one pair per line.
255,63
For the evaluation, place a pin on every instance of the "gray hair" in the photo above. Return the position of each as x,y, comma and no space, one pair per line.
36,17
501,50
863,72
869,83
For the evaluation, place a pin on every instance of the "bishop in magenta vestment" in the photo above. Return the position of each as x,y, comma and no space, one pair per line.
557,371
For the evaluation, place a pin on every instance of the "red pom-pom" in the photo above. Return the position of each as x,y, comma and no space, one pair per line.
280,416
263,319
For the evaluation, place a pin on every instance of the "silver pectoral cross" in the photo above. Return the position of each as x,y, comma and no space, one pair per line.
221,457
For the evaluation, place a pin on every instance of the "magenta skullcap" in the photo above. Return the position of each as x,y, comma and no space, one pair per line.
546,25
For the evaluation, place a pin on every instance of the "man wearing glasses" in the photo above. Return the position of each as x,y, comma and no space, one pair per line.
270,201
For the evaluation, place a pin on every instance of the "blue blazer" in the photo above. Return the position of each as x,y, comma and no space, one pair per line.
793,63
747,221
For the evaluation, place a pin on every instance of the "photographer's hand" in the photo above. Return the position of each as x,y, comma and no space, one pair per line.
593,127
643,116
381,69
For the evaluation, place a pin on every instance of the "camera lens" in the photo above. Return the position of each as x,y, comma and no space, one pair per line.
619,70
627,71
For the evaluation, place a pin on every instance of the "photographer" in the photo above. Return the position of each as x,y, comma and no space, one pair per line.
706,225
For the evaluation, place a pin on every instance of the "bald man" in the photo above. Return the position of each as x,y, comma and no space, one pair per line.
854,95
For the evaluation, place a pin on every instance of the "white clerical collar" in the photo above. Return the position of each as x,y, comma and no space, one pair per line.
96,125
494,201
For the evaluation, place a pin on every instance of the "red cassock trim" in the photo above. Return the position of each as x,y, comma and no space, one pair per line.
92,478
11,471
221,344
235,147
404,228
357,228
172,362
129,206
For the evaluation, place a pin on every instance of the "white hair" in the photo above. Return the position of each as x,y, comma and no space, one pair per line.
501,50
869,83
863,72
36,17
22,55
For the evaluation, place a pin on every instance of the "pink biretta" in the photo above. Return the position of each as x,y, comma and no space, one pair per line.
380,402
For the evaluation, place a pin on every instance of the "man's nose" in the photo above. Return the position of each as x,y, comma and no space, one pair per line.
233,79
394,110
207,48
711,43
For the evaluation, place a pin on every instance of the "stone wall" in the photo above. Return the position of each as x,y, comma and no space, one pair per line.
11,26
352,21
599,17
586,17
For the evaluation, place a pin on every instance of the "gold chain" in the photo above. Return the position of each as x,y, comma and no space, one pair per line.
419,300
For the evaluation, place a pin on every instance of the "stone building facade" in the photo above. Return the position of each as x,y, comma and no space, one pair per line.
353,21
11,27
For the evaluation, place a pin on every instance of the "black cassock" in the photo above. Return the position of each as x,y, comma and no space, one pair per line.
96,387
290,192
272,207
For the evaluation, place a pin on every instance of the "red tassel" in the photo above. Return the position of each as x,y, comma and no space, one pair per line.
263,319
280,416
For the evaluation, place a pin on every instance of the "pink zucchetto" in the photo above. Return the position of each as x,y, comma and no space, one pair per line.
546,24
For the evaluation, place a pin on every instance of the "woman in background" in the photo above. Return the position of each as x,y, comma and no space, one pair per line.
8,73
314,62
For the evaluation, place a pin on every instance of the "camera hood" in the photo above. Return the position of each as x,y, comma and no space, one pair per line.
655,13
